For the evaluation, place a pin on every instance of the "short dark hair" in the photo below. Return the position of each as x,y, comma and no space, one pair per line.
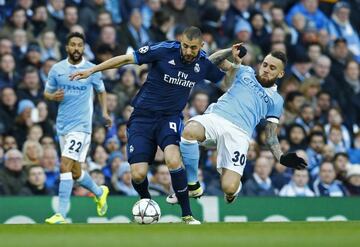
280,55
292,95
317,133
75,34
193,33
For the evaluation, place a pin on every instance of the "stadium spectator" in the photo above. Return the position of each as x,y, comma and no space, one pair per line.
8,109
323,104
340,27
326,184
98,158
41,21
50,163
160,182
88,13
354,151
199,103
328,153
161,24
353,180
293,102
30,88
35,184
49,46
70,19
9,143
341,165
310,88
260,183
35,133
298,186
348,96
306,117
9,77
296,137
314,152
12,175
148,10
183,13
98,177
309,8
32,153
321,71
335,119
335,139
17,20
122,184
340,55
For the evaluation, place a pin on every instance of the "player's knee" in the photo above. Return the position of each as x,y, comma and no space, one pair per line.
192,131
173,162
229,188
138,175
76,174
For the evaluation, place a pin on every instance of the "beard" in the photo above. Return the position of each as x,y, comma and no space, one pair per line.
265,81
76,56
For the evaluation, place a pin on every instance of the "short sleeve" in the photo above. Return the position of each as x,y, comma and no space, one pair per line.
213,73
148,54
97,82
275,110
51,84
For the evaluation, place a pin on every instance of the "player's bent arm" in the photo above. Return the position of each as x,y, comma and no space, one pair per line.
219,58
48,96
272,140
102,102
114,62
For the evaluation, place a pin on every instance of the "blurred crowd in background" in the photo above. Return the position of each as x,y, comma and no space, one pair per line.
321,89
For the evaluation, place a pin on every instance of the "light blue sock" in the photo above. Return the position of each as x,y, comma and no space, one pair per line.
190,156
87,182
65,188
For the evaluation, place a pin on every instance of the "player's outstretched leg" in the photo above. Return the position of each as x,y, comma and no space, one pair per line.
189,147
230,184
139,179
65,188
179,183
100,192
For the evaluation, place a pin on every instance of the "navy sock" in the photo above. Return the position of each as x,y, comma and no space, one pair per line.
142,188
179,183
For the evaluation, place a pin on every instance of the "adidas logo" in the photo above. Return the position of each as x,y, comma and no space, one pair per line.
172,62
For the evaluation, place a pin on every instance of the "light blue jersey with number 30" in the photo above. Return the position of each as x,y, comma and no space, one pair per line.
247,102
76,109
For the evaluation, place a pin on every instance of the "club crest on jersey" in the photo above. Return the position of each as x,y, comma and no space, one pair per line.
197,68
144,49
131,149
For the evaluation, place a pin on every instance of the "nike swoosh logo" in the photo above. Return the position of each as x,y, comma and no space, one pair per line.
236,164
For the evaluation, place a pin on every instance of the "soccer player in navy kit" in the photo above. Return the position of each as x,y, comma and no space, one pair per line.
157,119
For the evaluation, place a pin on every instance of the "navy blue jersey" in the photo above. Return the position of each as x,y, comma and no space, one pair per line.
170,80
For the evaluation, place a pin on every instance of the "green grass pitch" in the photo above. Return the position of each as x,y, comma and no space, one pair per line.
291,234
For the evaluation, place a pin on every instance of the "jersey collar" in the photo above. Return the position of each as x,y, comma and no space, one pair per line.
76,65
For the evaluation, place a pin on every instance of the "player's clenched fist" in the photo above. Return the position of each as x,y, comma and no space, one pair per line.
80,75
58,95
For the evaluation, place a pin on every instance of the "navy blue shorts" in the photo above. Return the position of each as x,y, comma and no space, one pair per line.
147,131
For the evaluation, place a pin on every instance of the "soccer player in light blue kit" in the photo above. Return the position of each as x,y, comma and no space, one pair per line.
231,121
74,123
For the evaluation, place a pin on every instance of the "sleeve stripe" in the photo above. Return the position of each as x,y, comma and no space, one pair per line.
135,58
272,117
164,45
273,120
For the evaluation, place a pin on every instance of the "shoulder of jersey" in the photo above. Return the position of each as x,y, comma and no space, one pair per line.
164,45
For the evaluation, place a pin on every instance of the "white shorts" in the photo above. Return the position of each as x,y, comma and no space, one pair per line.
232,142
75,145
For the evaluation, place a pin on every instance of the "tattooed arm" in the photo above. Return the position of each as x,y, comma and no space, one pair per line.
272,139
290,159
219,58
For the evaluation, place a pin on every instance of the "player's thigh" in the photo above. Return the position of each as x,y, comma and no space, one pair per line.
141,146
139,171
232,148
208,126
75,145
172,157
168,131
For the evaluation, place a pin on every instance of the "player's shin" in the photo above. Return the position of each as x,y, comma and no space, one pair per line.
87,182
179,183
190,156
142,188
65,188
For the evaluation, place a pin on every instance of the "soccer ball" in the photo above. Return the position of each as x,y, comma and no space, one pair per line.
146,211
